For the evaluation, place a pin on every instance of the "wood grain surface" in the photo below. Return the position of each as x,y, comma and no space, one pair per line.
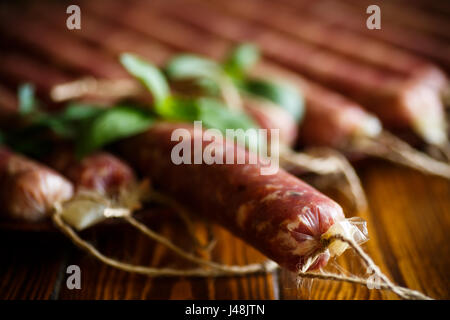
408,226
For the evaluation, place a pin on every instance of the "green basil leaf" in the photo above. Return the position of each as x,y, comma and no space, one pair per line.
177,108
203,72
149,75
241,59
213,114
188,67
55,124
27,100
112,125
282,94
2,137
80,111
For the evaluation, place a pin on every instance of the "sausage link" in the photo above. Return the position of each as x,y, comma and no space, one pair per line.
338,40
344,16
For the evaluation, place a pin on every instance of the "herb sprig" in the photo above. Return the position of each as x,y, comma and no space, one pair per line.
212,112
89,126
92,127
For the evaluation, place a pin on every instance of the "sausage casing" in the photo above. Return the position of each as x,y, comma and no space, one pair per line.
278,214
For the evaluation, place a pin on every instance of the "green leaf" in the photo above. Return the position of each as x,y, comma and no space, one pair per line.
241,59
282,94
188,67
2,137
149,75
112,125
27,100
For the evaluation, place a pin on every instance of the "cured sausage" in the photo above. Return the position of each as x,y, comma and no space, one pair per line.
342,117
28,190
101,172
400,103
330,119
278,214
86,59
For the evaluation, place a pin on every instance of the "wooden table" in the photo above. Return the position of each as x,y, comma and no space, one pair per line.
408,222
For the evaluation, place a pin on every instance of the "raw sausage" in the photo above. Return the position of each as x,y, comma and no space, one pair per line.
101,172
341,41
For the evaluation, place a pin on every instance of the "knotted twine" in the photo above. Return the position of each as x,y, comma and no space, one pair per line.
326,161
389,147
215,269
